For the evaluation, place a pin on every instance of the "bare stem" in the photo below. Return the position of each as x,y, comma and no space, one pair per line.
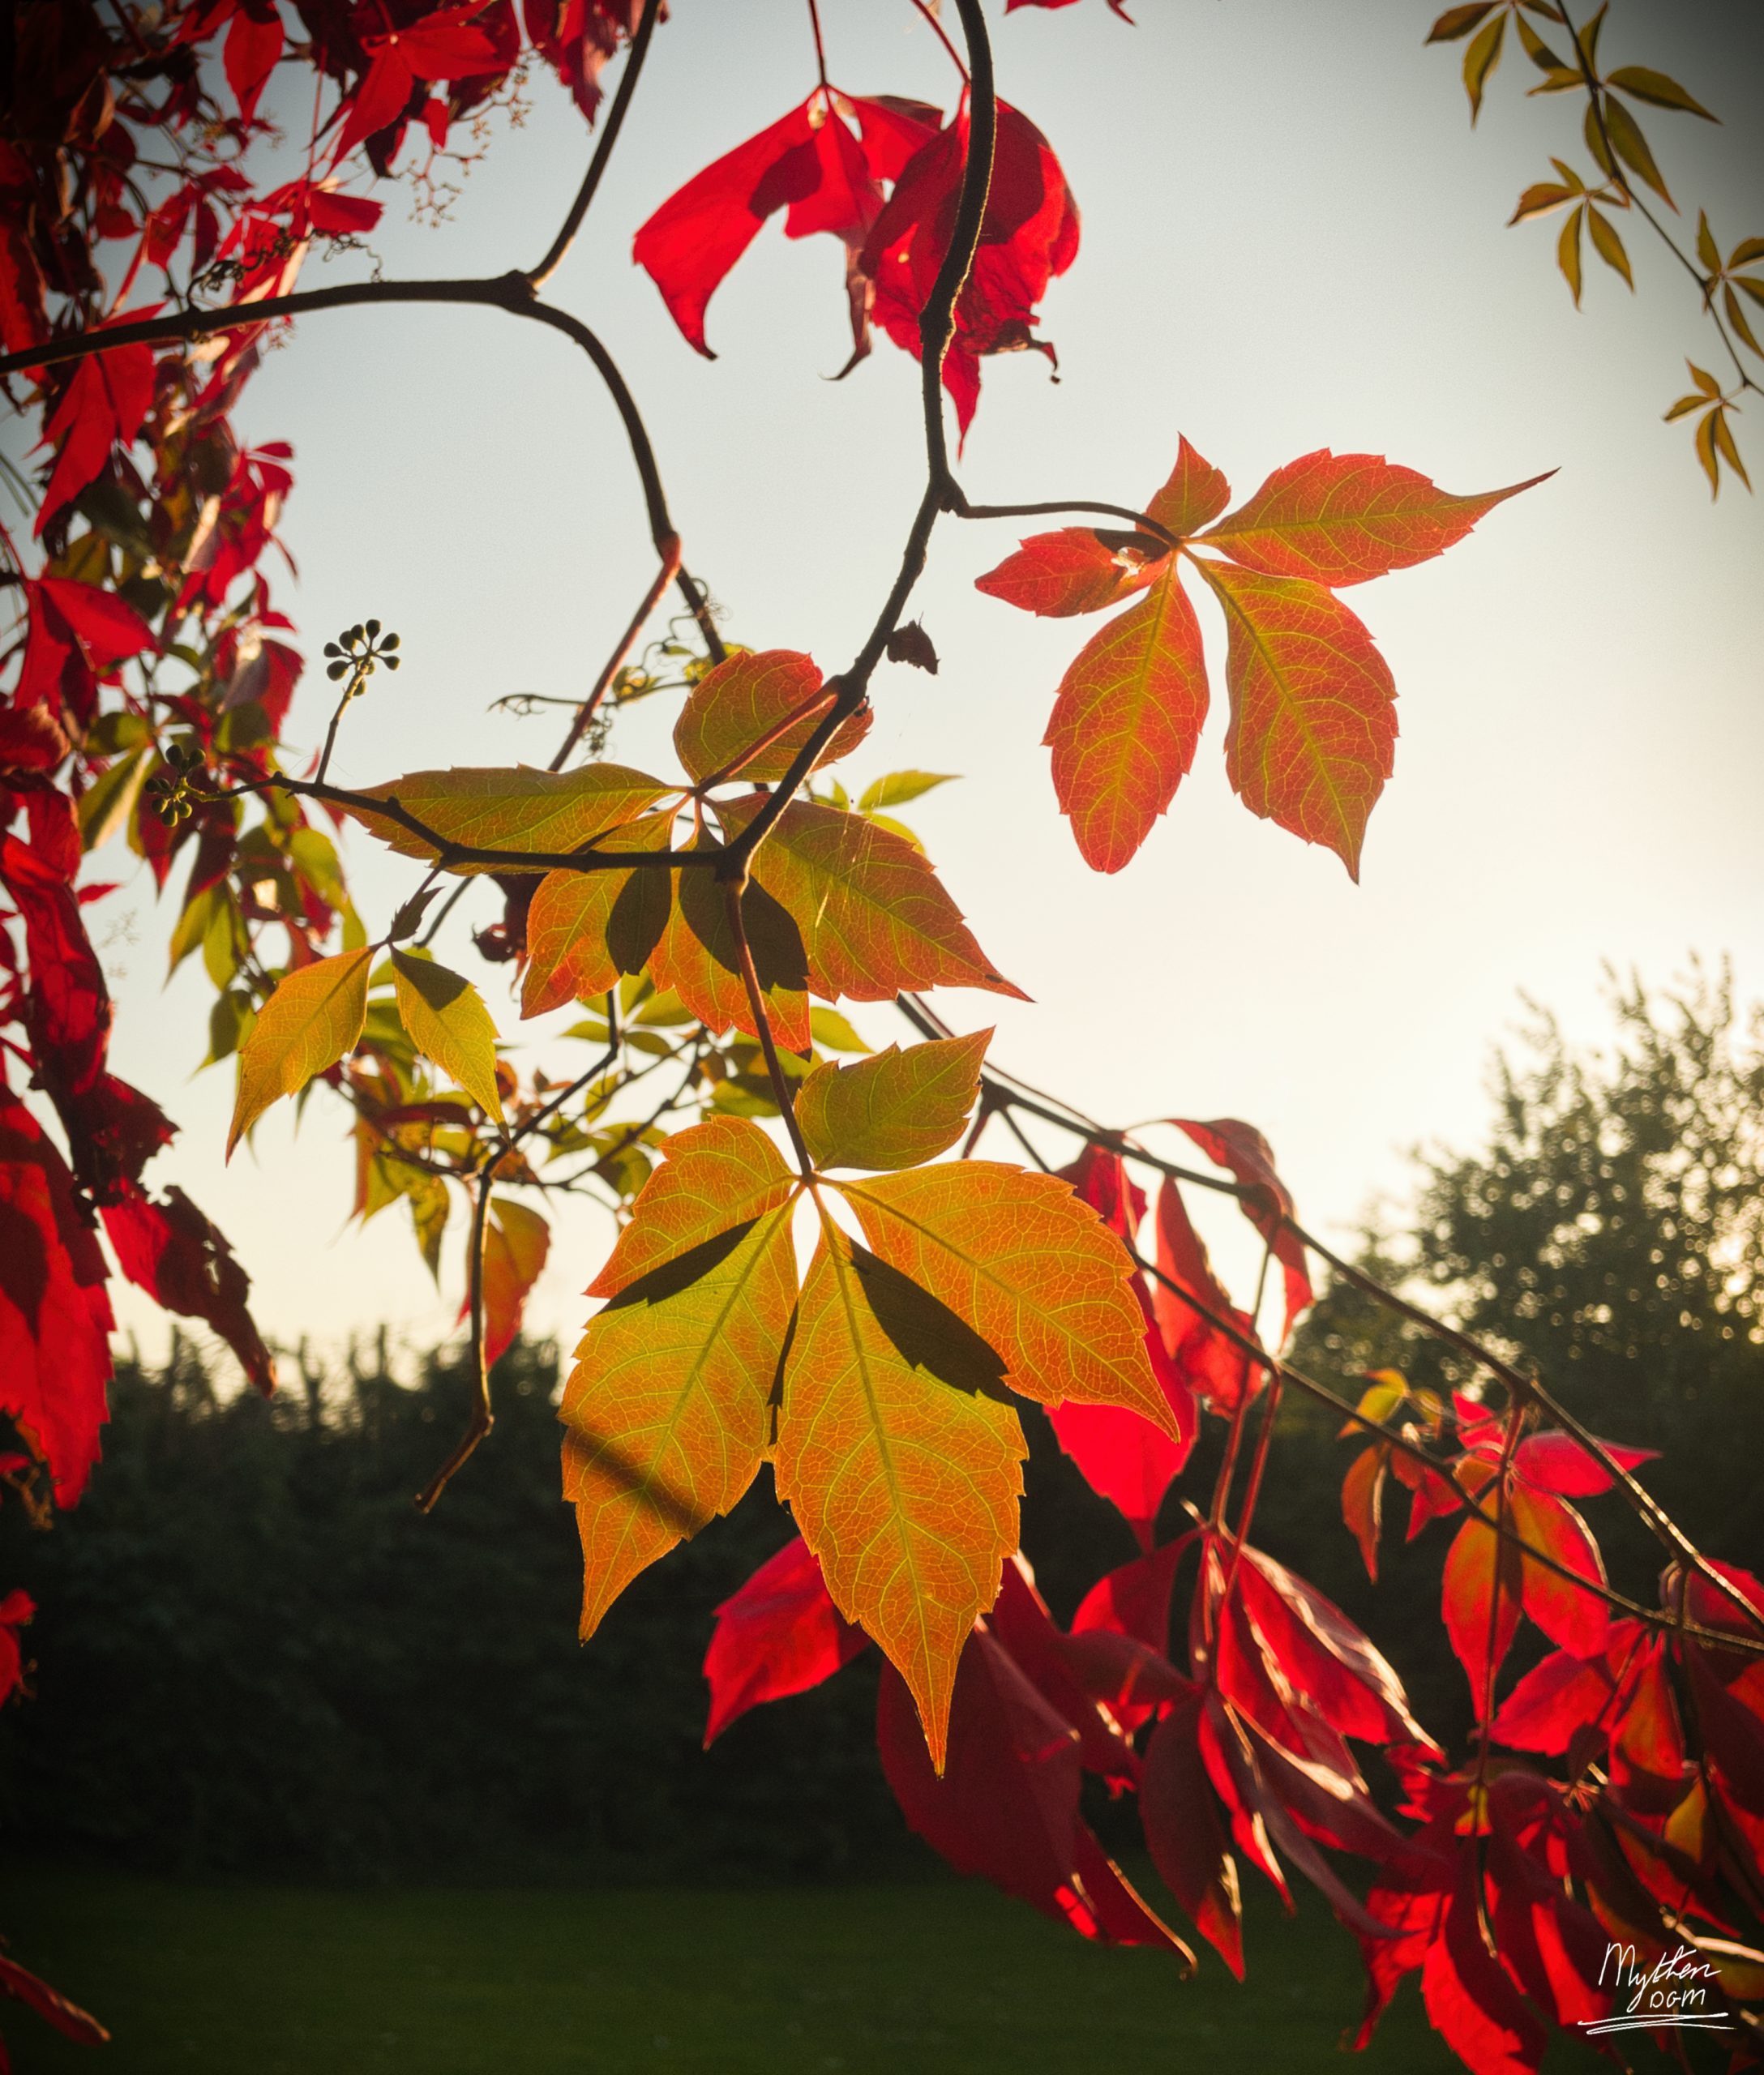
481,1417
603,150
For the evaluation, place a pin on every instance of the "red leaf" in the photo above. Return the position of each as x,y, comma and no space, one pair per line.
1480,1603
894,131
1557,1463
1229,1142
1021,1623
1056,575
1313,729
107,630
1127,722
1343,518
1363,1502
1555,1698
55,1317
68,1010
780,1634
1006,1805
102,406
253,47
16,1610
1135,1599
1184,1834
1577,1619
49,2004
172,1252
1208,1360
1473,2004
700,231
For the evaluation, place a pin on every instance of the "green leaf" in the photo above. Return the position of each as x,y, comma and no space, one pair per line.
314,1018
515,808
449,1023
110,799
899,786
1641,83
895,1110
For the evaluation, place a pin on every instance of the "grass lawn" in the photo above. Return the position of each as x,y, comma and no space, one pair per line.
927,1979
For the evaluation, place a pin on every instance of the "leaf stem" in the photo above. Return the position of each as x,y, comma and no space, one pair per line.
481,1418
781,1091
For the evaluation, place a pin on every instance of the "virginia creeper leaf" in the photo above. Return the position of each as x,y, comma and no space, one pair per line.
894,1109
741,701
874,915
1056,575
446,1019
1569,1615
699,959
666,1411
1313,721
1033,1271
1196,494
1343,519
1126,723
172,1252
586,931
1480,1600
516,1240
515,808
1229,1142
713,1176
904,1487
780,1634
1183,1834
309,1022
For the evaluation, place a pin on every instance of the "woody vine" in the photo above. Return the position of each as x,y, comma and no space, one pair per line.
1615,1793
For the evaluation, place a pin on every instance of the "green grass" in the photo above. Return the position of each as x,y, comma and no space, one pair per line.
928,1979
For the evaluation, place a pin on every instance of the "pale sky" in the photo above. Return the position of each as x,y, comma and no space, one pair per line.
1292,239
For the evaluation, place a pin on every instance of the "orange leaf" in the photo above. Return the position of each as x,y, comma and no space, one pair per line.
584,929
1313,720
904,1487
1481,1569
1345,517
713,1176
516,1240
874,915
699,959
1363,1491
1577,1619
1030,1268
740,702
1126,722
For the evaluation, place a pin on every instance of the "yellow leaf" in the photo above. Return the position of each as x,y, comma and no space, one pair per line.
314,1017
893,1110
721,1173
516,809
904,1487
1027,1266
447,1022
667,1409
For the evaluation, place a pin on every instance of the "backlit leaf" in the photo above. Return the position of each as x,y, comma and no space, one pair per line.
1194,495
1126,722
1480,1600
314,1017
1057,574
515,808
447,1022
1568,251
898,787
586,931
1632,148
1574,1618
904,1486
874,915
1033,1271
1363,1503
742,701
1607,245
1313,708
516,1242
1457,21
1641,82
713,1176
780,1634
666,1411
1481,60
1184,1834
699,959
1343,519
894,1109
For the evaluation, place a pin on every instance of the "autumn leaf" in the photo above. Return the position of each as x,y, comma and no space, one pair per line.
713,1176
1266,1200
1127,722
1574,1617
905,1486
1184,1834
1196,494
894,1109
314,1017
1313,720
170,1250
447,1022
1480,1599
1030,1268
1073,571
515,808
516,1242
586,931
1343,519
780,1634
742,703
699,958
874,916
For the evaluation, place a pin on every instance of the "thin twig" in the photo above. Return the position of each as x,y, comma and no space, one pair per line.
585,713
481,1418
